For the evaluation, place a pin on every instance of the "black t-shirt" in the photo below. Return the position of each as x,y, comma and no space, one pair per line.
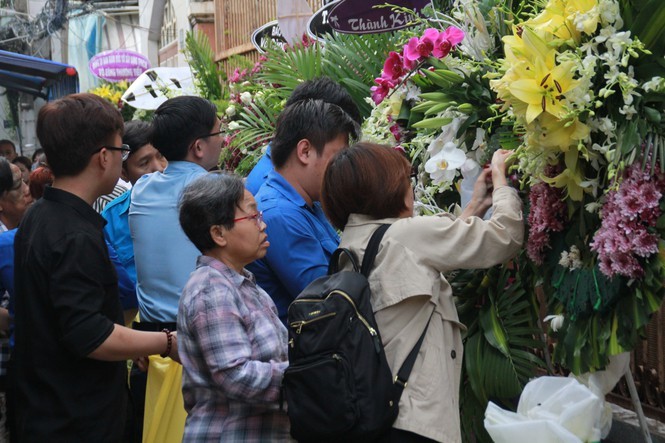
66,301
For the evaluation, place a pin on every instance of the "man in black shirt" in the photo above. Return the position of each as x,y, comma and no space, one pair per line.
68,371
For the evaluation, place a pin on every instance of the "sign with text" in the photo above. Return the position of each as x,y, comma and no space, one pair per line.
267,35
365,17
118,65
318,25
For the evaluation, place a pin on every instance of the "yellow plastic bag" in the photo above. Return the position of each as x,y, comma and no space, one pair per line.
164,419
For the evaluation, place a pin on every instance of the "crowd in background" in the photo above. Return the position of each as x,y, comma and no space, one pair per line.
95,274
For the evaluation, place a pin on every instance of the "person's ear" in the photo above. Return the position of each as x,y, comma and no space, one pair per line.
103,158
305,151
217,234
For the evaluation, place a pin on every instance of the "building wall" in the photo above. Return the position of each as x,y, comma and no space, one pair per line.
236,20
181,17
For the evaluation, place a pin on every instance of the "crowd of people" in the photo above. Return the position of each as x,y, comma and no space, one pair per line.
196,267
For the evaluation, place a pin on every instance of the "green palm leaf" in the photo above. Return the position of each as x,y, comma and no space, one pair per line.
499,351
210,78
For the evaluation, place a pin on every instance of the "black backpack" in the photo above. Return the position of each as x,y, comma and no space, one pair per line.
338,386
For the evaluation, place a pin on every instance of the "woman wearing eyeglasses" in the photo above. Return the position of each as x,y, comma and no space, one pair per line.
231,341
368,185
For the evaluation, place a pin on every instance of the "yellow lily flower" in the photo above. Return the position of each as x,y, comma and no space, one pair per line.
568,19
551,133
571,178
552,19
546,90
583,15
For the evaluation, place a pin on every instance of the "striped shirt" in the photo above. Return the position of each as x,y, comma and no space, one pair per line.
233,349
101,202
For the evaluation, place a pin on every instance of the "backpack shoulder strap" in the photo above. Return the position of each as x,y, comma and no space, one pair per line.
372,249
333,265
404,372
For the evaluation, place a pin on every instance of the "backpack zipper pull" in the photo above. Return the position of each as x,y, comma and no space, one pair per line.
375,337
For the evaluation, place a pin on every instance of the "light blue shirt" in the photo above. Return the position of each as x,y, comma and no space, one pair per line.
163,254
259,173
301,242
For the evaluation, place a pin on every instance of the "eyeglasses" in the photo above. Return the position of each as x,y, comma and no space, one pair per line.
258,218
124,149
211,134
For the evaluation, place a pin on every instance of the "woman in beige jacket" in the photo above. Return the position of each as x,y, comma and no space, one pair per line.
367,185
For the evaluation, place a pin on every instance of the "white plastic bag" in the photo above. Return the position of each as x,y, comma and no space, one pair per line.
556,409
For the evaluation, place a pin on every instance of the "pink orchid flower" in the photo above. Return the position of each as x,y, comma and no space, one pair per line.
381,91
419,48
446,40
393,68
396,131
235,77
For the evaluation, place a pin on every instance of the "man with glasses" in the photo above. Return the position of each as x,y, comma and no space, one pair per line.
68,370
186,131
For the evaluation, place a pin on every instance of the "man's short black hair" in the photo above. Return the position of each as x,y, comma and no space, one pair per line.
315,120
137,134
178,122
72,128
328,90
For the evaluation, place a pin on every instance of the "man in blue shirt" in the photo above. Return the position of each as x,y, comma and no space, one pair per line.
143,159
187,132
322,88
308,134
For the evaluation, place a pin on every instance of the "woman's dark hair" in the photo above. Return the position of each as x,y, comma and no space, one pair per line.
365,179
6,176
315,120
209,200
72,128
137,134
178,122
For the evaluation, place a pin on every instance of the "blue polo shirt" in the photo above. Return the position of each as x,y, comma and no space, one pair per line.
163,254
7,261
301,242
116,231
259,173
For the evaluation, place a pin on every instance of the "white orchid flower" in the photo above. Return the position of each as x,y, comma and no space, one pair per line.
246,97
443,166
556,321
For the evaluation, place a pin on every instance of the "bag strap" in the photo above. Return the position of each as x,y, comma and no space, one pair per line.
372,249
333,264
402,376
